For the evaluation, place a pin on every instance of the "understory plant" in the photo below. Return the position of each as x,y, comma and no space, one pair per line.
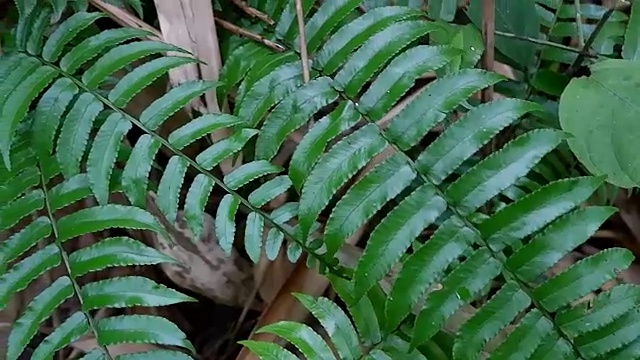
454,222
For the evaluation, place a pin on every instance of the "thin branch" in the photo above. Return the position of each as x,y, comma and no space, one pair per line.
546,43
249,35
253,12
303,42
579,23
587,45
488,37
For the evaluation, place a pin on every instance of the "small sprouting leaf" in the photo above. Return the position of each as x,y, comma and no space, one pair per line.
161,109
169,187
334,169
148,329
600,112
128,291
201,126
194,204
393,236
310,344
249,172
115,251
103,154
136,172
253,236
70,330
64,33
93,219
226,222
38,310
142,76
75,133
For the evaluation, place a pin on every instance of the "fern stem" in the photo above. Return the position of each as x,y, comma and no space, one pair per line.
548,44
67,265
576,3
303,42
338,271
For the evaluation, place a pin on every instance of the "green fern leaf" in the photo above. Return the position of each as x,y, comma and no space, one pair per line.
267,350
328,16
89,220
391,84
225,222
26,271
95,45
424,267
253,236
135,81
497,171
349,37
294,251
273,243
485,324
467,135
169,187
95,354
336,323
554,347
238,64
366,317
38,29
310,344
128,292
366,197
544,250
136,171
119,57
195,202
75,133
115,251
533,211
161,109
581,278
269,190
199,127
290,114
141,329
18,243
268,91
24,181
49,110
221,150
261,69
155,355
69,331
433,103
393,236
66,32
17,210
287,25
460,287
102,156
249,172
314,142
40,308
376,52
69,191
618,333
334,169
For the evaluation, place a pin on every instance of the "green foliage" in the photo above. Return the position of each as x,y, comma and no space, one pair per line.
600,112
500,223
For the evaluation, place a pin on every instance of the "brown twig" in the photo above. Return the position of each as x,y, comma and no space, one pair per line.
303,42
253,12
488,37
249,35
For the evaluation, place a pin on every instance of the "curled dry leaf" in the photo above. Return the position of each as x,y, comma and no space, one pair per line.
202,265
